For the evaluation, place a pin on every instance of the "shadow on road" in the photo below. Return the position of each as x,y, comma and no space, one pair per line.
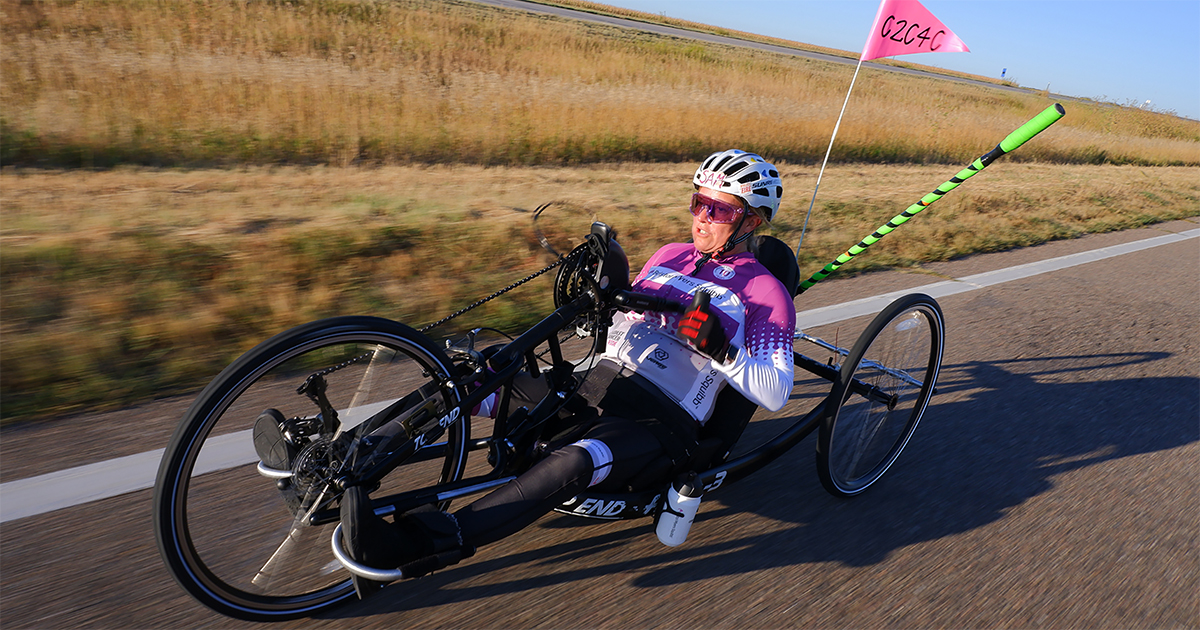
996,435
1005,430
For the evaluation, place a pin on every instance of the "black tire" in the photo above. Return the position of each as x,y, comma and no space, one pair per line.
861,436
235,539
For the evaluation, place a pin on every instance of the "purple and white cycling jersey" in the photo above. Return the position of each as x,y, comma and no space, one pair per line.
754,309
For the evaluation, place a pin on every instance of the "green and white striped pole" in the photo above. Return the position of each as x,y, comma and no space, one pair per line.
1015,139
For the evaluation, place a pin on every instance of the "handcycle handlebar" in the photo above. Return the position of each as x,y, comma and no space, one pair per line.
634,301
623,299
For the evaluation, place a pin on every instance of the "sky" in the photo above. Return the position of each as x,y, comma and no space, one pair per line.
1121,51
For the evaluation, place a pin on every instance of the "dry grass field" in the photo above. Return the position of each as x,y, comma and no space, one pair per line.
183,179
122,284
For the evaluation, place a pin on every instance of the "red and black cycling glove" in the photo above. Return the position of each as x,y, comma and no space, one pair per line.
701,327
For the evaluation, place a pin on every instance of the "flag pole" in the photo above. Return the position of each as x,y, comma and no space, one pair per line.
836,125
897,34
1020,136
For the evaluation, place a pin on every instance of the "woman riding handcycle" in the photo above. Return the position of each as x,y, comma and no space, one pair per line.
700,339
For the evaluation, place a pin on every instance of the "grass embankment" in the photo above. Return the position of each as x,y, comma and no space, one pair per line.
192,82
122,285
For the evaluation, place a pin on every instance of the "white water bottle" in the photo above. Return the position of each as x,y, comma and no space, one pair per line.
683,499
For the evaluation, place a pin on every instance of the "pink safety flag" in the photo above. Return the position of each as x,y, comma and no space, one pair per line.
904,27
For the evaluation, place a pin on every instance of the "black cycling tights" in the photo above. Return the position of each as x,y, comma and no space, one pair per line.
565,473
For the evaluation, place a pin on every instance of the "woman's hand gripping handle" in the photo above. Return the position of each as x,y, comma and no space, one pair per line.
701,327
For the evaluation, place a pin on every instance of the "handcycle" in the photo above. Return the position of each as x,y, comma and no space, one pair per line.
369,401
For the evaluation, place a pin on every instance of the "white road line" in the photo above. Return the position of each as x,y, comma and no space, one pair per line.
75,486
83,484
874,304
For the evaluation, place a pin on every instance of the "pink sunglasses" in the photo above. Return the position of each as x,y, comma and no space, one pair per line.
718,211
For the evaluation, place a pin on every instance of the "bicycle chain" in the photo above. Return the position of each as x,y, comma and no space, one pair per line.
332,369
561,259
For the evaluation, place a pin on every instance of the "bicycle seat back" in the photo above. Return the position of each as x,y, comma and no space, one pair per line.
779,259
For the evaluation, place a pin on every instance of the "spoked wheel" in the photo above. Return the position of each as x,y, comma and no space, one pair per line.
234,531
881,394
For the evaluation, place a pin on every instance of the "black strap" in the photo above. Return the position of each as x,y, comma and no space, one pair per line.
733,241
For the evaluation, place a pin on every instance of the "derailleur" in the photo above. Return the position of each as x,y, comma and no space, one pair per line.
298,456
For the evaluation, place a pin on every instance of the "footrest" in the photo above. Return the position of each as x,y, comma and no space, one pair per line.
362,570
414,569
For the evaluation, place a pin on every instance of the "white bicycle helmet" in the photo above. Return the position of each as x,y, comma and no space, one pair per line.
744,175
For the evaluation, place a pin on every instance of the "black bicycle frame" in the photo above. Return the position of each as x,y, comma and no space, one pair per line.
520,353
506,364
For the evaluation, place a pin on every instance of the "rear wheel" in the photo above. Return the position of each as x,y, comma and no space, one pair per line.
235,532
880,395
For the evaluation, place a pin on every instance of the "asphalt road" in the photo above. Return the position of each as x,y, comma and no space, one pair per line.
1052,485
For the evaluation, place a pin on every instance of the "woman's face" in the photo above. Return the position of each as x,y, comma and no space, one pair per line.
707,236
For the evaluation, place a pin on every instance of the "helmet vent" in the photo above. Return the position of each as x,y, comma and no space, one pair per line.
746,176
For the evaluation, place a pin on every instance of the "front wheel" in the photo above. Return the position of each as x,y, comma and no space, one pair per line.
880,395
234,495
